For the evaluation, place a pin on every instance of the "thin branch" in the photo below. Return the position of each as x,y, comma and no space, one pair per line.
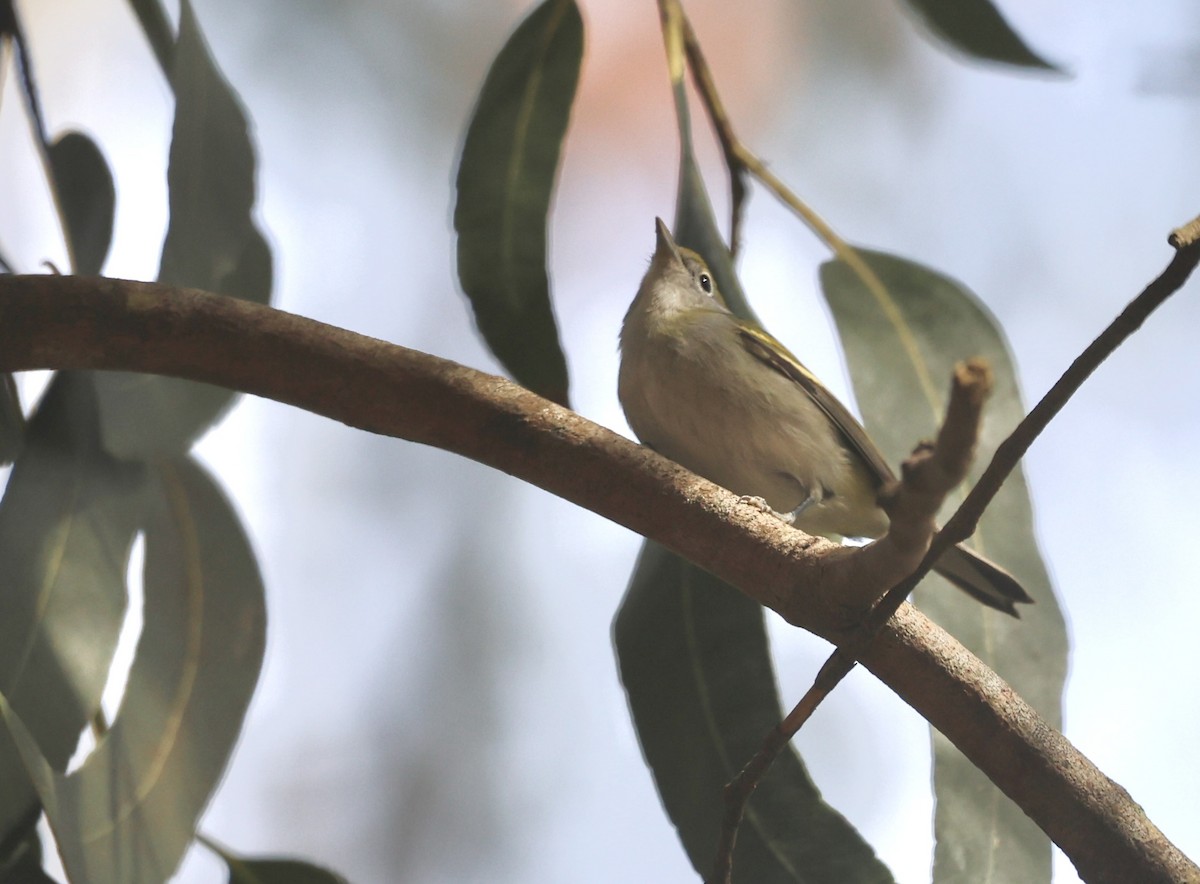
29,87
68,322
960,526
706,86
739,160
41,134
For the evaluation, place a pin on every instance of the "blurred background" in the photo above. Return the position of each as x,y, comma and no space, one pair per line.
440,700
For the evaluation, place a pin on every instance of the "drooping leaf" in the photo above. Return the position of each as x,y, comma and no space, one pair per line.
694,660
128,813
696,228
8,19
243,870
505,182
212,243
696,668
902,339
67,522
211,173
977,28
86,197
695,222
157,28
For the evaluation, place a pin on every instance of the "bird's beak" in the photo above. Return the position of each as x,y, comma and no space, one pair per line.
666,248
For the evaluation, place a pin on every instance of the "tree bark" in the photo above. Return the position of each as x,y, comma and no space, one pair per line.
56,322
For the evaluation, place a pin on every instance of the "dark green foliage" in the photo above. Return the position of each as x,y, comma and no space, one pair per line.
505,182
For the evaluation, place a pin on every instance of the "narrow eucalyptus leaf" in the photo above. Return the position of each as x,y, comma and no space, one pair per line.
21,856
505,183
128,814
86,197
212,243
157,28
696,223
696,228
977,28
278,871
902,339
695,665
67,523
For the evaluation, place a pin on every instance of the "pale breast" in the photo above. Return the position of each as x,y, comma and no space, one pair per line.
692,403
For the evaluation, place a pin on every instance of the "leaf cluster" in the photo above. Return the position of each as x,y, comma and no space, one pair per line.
102,464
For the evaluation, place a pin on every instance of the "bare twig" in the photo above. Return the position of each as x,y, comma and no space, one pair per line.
1010,452
960,526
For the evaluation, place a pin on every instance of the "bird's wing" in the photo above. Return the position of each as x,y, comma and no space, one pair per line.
763,346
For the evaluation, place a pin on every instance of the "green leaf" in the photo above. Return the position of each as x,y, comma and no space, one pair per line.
278,871
696,228
157,28
694,660
127,815
23,864
695,222
977,28
67,522
212,243
505,181
86,198
695,665
902,339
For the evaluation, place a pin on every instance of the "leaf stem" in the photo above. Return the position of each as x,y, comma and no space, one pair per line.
740,161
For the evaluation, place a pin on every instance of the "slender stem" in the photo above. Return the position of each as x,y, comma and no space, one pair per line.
5,43
7,18
740,160
41,133
706,86
33,102
958,528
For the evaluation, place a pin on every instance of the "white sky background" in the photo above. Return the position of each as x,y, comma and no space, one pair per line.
440,700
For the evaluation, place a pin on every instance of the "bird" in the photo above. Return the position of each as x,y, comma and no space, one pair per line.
725,399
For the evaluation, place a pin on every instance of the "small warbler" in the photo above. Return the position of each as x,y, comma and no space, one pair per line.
729,402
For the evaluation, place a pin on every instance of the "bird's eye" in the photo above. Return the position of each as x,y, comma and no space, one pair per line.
705,283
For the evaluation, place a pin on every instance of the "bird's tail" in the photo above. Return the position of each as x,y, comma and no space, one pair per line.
982,579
